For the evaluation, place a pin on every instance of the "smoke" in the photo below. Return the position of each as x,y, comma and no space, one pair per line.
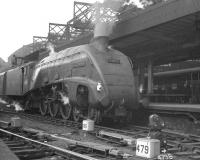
3,101
64,98
17,106
114,5
50,47
104,16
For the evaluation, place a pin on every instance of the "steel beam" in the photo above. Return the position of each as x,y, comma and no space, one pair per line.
57,32
156,15
79,7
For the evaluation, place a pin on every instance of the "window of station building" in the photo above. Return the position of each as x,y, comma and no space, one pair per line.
195,76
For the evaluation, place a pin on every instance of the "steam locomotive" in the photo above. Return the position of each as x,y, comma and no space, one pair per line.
87,81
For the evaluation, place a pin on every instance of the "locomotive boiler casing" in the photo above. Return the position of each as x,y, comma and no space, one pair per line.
87,66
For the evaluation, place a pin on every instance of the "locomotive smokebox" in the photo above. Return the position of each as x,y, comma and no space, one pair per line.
102,32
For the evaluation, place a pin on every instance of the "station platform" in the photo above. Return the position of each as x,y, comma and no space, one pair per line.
6,153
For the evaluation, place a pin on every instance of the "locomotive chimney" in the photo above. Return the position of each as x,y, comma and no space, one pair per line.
102,32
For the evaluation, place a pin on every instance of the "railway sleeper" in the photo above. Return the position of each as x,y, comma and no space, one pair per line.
14,144
173,149
21,148
27,151
116,138
26,155
185,153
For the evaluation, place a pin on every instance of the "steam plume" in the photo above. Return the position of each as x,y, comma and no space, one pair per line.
105,16
17,106
64,98
50,48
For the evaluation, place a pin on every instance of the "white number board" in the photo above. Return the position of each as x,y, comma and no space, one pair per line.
147,148
166,156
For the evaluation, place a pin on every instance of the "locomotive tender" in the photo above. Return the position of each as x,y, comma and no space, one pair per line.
87,81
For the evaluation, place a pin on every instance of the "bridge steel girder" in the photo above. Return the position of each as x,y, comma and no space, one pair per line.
80,7
39,43
57,32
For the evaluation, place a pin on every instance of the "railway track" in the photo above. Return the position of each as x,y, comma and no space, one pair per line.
28,148
133,130
182,146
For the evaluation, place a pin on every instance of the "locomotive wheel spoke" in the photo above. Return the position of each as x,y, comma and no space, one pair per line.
76,114
129,117
43,106
54,108
65,111
28,105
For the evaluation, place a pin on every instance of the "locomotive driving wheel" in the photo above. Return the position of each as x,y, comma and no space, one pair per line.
43,106
65,111
76,114
54,108
95,114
